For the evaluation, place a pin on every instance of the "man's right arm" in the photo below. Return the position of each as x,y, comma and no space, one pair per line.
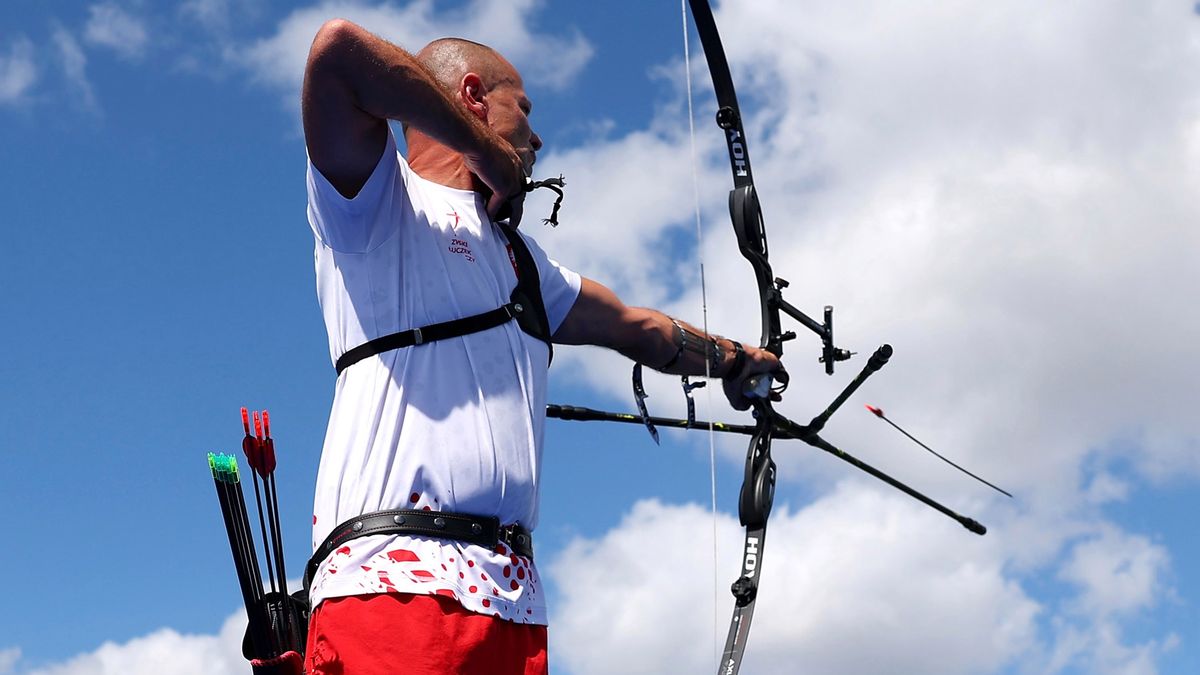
355,82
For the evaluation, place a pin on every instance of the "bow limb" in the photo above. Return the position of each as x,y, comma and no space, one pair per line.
758,485
744,210
757,496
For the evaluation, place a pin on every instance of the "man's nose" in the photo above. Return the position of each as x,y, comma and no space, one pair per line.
535,141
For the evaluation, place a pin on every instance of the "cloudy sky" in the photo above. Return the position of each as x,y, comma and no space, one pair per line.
1005,192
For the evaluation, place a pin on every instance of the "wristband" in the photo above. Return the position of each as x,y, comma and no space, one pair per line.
739,360
716,357
682,337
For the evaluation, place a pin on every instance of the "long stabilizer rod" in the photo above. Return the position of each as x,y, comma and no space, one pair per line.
782,428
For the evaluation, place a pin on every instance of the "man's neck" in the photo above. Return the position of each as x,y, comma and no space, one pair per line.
439,164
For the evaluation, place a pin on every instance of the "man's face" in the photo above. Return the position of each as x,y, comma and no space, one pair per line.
508,114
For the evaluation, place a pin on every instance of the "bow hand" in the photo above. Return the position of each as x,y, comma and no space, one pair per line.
759,376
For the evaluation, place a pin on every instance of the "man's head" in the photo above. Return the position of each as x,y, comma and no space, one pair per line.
488,85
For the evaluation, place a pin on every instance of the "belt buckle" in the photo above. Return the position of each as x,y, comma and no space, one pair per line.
506,534
509,533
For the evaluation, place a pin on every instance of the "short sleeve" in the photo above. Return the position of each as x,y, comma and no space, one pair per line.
560,285
360,224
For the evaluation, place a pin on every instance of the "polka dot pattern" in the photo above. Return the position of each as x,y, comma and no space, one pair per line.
400,564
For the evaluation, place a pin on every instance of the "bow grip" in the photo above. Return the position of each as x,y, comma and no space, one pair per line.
758,386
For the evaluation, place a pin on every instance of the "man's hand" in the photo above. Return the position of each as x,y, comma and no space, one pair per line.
759,363
648,336
501,170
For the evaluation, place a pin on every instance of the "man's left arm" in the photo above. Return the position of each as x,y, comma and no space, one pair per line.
658,341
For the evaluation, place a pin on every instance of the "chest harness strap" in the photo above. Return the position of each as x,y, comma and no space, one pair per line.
524,304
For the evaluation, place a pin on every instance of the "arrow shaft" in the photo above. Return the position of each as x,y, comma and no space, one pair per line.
943,458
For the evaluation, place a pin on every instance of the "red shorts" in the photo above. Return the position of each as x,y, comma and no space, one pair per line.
391,633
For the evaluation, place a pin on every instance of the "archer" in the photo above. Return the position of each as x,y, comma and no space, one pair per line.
440,318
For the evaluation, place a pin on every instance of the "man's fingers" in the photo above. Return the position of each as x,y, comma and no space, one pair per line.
495,204
517,209
734,394
500,170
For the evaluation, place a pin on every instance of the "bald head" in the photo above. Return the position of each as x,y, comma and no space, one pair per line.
490,90
449,59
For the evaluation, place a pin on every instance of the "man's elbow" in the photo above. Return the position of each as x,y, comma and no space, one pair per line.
334,39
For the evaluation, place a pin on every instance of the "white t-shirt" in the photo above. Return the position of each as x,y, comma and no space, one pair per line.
454,425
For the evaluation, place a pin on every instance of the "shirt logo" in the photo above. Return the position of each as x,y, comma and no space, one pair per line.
462,248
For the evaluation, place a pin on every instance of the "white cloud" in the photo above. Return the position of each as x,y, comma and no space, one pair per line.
110,26
1101,651
859,581
220,16
544,58
18,71
849,585
8,659
74,65
1117,573
1005,194
163,651
212,14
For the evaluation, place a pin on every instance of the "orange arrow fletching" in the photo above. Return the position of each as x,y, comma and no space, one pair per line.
878,411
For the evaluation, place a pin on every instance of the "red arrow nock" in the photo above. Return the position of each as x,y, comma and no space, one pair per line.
268,447
258,427
878,411
250,445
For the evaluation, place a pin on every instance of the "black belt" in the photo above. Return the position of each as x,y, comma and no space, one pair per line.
483,531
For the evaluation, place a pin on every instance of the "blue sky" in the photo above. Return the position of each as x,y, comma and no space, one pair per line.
1004,192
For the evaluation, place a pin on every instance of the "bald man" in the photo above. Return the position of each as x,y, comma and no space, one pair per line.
440,318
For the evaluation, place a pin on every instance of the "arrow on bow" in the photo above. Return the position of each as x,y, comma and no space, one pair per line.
758,486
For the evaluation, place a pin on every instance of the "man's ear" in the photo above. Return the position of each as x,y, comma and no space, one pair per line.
474,95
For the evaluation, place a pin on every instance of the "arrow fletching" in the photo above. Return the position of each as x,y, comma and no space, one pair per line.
224,467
